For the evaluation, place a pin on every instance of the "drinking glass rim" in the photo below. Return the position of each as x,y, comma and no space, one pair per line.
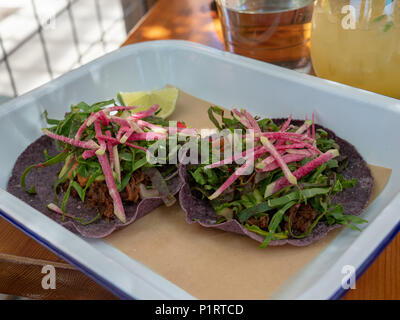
222,3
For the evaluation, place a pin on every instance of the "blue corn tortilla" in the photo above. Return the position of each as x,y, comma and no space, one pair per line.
353,200
43,180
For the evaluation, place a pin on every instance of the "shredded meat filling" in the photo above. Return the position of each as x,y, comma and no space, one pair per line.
261,222
301,217
98,197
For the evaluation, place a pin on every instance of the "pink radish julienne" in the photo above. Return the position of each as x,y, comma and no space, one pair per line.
127,134
99,137
292,155
153,127
88,154
76,143
304,127
116,141
241,118
147,136
121,131
119,210
106,147
286,124
281,147
102,113
251,120
231,180
241,155
55,208
301,172
145,114
289,148
122,122
104,120
80,131
110,149
308,129
271,149
288,158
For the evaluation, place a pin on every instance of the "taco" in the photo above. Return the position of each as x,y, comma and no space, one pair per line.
301,182
89,171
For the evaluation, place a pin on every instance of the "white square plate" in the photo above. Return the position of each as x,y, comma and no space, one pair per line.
368,120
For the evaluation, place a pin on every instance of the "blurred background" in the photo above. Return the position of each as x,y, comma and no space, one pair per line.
42,39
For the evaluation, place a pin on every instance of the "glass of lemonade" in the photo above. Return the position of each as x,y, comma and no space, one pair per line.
357,42
275,31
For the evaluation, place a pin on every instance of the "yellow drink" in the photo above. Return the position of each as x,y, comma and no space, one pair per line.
359,47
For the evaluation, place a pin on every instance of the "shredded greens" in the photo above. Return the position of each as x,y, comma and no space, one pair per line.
82,167
243,200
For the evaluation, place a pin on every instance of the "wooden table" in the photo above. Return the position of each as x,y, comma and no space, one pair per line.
22,259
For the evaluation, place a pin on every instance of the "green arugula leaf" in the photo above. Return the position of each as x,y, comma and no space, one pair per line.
56,159
50,121
198,176
257,230
79,190
275,221
217,110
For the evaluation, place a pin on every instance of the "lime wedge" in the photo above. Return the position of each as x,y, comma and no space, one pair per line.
166,98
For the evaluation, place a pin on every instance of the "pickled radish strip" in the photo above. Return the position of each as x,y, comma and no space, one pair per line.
119,210
231,180
301,172
88,154
242,119
147,136
278,158
145,114
253,123
286,124
288,158
231,160
76,143
304,127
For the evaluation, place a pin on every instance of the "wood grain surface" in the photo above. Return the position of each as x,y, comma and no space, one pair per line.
21,263
22,259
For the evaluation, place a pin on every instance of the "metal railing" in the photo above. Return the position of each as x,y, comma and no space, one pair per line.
128,6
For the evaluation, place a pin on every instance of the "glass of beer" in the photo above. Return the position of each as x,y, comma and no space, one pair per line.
275,31
357,42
